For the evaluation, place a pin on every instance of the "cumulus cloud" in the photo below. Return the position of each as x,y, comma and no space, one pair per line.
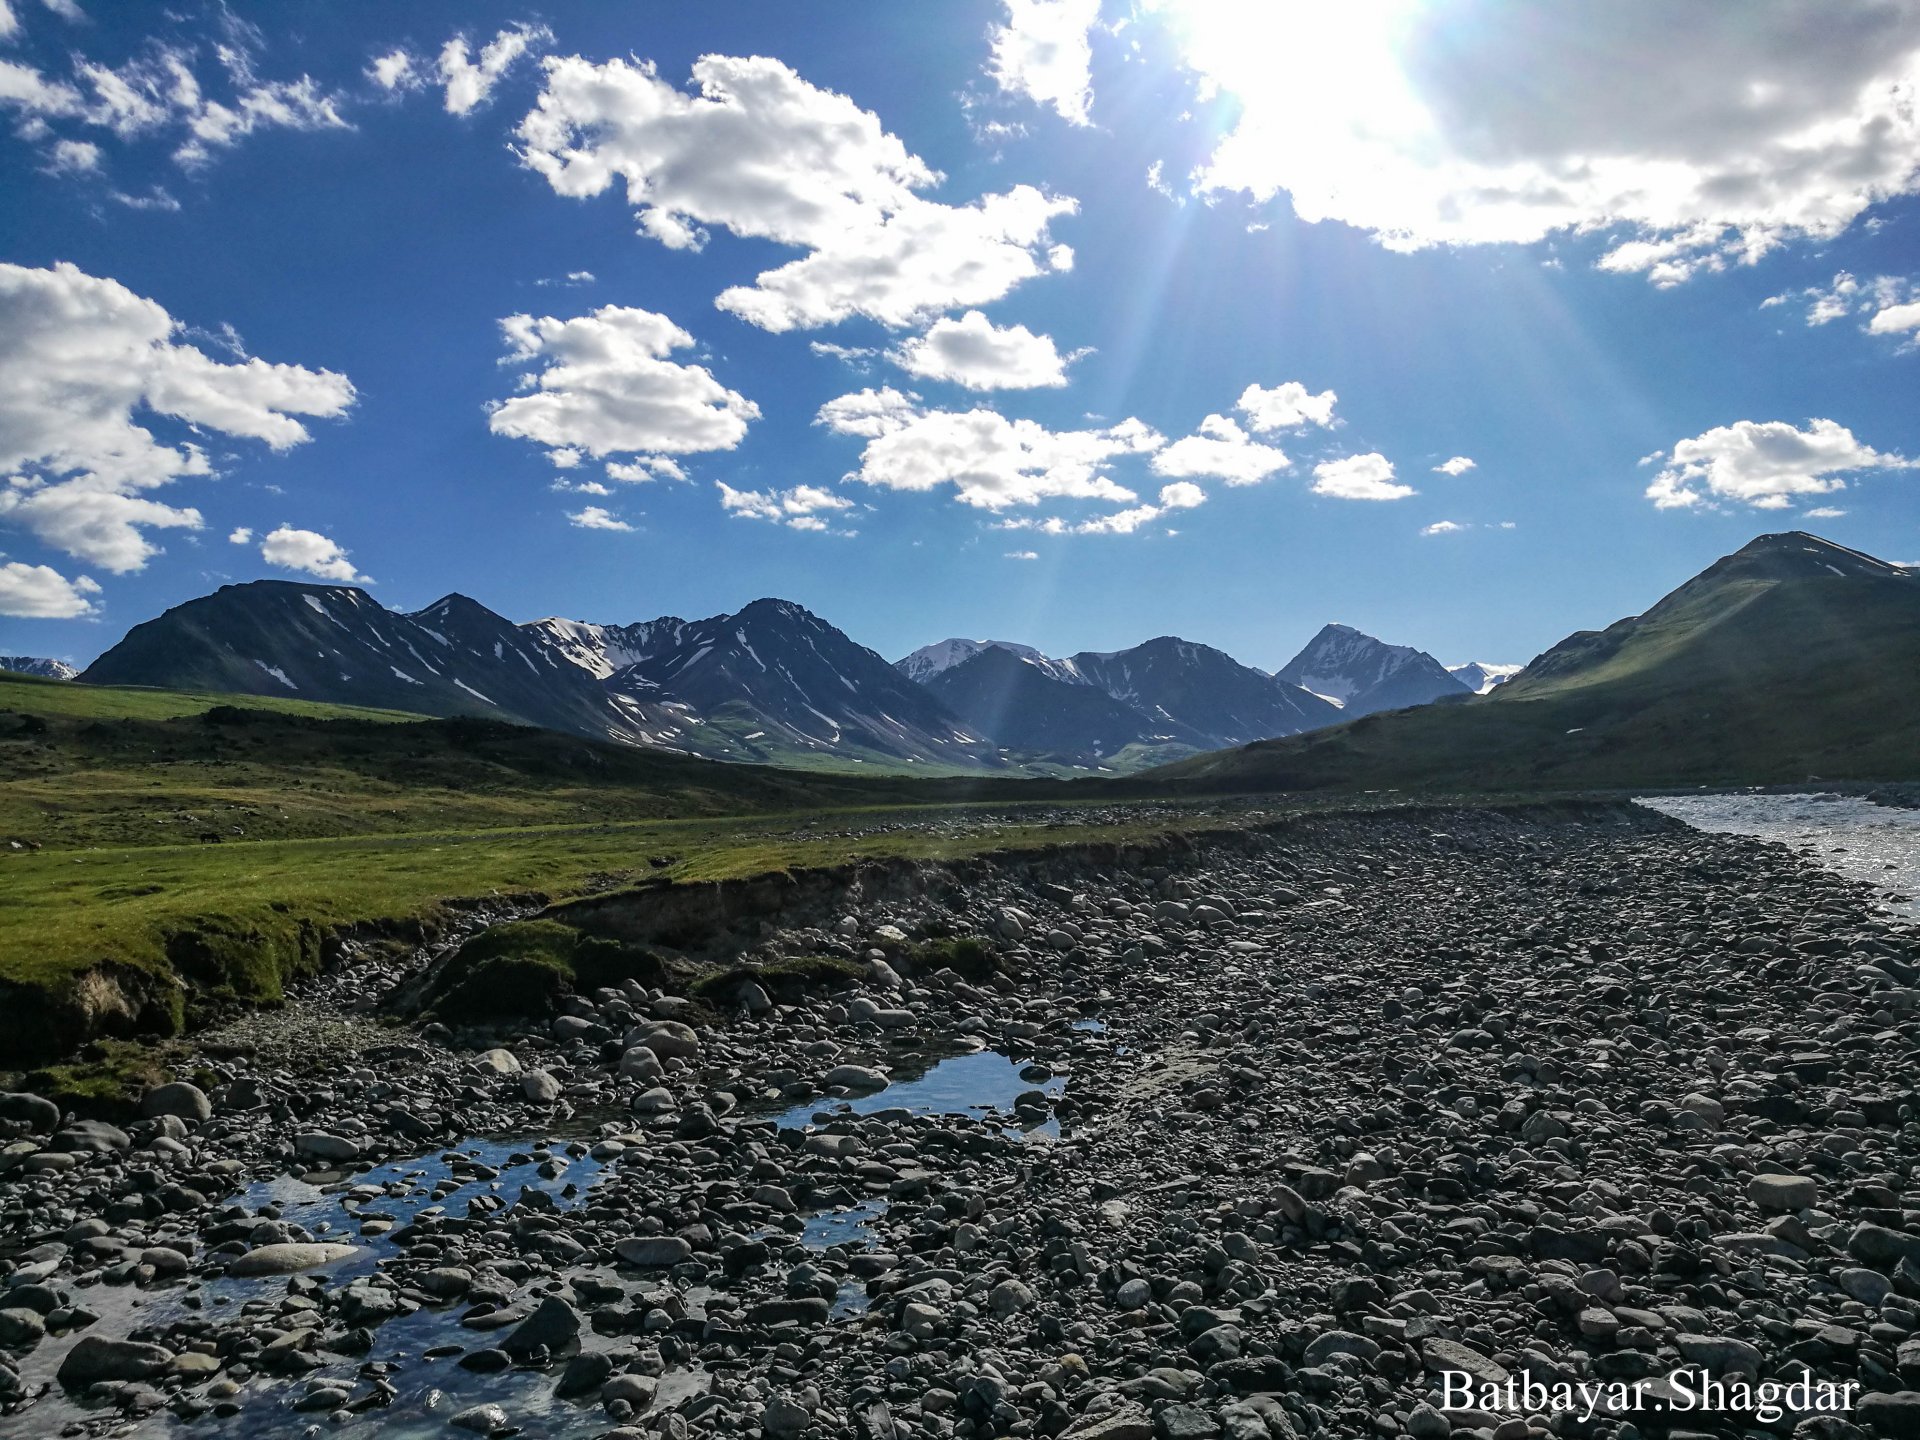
1458,465
83,357
606,386
870,413
1220,448
1290,406
1896,319
992,462
1699,138
798,508
39,592
1359,477
310,553
975,353
596,517
241,535
1765,464
1042,53
1443,527
763,154
466,78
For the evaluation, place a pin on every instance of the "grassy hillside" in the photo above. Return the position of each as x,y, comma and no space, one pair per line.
31,695
84,765
1744,681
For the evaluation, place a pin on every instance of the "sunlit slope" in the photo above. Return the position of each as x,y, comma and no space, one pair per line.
1790,660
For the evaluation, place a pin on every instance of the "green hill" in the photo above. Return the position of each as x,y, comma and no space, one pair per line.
1790,660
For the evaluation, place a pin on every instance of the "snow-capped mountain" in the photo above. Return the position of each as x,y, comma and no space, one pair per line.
1480,676
37,665
772,683
1361,674
931,660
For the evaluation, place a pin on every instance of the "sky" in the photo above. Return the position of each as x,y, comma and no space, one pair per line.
1469,323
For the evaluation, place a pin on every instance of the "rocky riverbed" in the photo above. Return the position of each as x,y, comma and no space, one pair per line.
1266,1139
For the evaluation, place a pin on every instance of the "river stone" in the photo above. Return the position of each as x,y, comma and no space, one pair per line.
35,1111
94,1137
1783,1194
1439,1354
322,1146
187,1102
289,1258
482,1419
500,1061
97,1358
857,1077
540,1087
653,1252
554,1325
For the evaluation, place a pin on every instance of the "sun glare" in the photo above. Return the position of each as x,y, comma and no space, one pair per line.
1301,70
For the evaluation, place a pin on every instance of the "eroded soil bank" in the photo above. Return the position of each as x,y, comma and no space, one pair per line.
1281,1132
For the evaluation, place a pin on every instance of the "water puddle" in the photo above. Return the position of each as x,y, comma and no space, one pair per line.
475,1177
980,1083
1850,836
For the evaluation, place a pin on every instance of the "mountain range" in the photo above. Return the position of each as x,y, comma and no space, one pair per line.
37,665
1790,661
771,683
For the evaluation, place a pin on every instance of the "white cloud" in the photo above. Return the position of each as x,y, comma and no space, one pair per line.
1896,319
467,79
73,157
1765,464
68,10
309,552
1825,512
1359,477
597,517
9,22
83,355
1221,448
1458,465
394,71
797,508
870,412
606,387
992,462
27,90
39,592
1892,303
1443,527
645,469
1290,406
1181,495
1042,52
764,154
975,353
1022,555
1700,139
242,535
161,91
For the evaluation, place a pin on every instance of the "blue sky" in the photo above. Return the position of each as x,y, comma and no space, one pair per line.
328,289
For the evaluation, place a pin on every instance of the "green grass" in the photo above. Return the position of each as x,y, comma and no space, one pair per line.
524,967
143,939
31,695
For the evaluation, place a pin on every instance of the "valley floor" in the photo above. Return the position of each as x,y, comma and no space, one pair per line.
1288,1127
